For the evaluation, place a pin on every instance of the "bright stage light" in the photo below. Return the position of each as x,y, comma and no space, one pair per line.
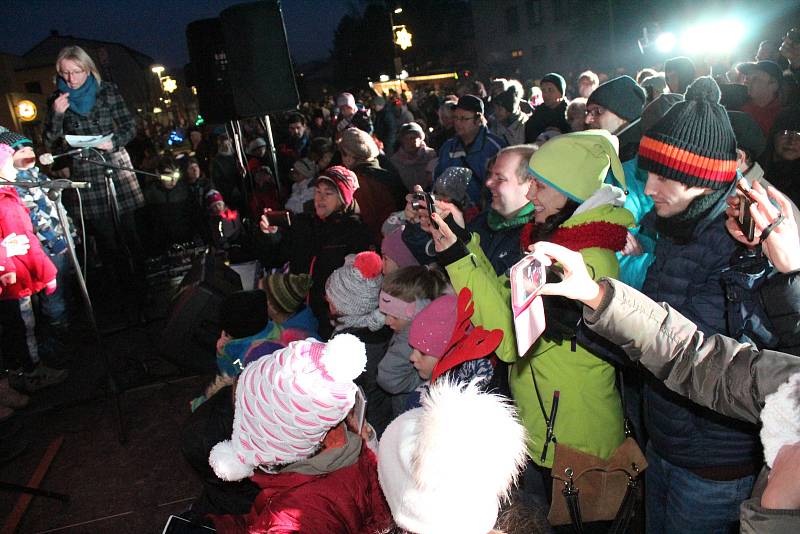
666,42
717,37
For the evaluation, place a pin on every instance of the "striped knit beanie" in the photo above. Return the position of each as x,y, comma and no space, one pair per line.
287,292
694,142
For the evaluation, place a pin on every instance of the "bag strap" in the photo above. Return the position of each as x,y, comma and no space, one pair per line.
549,421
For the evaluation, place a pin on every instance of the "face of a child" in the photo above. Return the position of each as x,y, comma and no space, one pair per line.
217,207
423,363
24,158
396,324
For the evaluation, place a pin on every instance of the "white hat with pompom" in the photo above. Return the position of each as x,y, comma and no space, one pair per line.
286,403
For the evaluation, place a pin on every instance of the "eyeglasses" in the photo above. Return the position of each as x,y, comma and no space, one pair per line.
595,112
71,73
789,133
464,119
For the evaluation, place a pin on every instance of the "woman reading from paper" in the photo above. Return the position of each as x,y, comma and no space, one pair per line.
84,104
574,208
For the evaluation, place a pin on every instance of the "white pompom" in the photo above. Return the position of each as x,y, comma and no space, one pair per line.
225,462
345,358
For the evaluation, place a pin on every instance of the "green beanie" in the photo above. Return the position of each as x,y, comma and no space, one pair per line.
576,164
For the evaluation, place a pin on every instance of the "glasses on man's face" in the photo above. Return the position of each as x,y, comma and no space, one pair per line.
70,73
792,135
462,118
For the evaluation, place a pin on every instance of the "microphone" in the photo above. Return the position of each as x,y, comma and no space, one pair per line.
48,158
54,184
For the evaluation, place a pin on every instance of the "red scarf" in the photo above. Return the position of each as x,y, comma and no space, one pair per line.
598,234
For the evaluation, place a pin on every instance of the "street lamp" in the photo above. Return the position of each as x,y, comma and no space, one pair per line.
157,70
398,10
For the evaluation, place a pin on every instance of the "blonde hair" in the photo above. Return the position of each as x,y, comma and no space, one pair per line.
79,56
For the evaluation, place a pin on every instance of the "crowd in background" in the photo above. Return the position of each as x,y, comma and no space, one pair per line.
386,286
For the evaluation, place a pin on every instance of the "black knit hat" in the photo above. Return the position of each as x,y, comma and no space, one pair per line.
622,96
243,313
14,140
508,100
557,80
694,142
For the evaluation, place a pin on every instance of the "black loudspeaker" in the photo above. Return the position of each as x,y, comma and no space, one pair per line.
259,68
209,70
190,335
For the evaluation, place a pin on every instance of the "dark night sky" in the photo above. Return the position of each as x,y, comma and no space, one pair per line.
158,27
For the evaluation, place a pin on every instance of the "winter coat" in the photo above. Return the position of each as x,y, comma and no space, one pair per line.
688,278
411,167
316,247
714,371
501,247
170,215
346,499
44,214
633,269
543,118
474,157
386,129
589,415
380,194
109,114
33,269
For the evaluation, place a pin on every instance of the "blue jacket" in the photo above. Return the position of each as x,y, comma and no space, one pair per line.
688,278
475,157
501,247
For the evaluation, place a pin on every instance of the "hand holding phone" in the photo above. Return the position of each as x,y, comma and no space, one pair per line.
280,218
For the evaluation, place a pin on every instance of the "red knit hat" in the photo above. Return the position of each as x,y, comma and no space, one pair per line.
344,179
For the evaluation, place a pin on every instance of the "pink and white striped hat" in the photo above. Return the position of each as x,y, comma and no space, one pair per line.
287,402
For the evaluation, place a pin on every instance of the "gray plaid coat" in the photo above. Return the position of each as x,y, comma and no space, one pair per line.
110,114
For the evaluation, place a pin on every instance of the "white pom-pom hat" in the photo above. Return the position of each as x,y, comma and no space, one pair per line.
444,467
287,402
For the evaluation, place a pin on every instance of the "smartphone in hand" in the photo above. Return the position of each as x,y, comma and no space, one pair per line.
280,218
745,220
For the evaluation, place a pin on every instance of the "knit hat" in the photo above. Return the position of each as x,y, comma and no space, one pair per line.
446,466
749,136
359,144
470,103
305,167
354,289
286,291
411,128
243,313
622,96
286,404
432,327
780,418
213,196
394,248
14,140
657,83
508,99
557,80
379,101
656,109
694,142
344,179
453,184
346,99
576,164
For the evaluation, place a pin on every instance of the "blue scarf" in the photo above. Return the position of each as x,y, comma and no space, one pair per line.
81,100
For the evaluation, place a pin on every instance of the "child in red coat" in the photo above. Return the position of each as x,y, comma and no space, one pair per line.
22,272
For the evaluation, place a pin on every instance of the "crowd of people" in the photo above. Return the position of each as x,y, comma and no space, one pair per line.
374,381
